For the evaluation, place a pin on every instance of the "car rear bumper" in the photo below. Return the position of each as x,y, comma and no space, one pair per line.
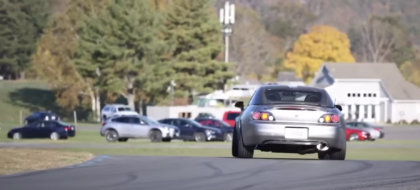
215,137
259,133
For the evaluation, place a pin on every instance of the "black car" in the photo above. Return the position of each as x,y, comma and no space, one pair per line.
220,124
52,129
41,115
191,130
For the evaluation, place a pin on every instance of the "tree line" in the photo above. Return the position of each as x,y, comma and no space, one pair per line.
96,51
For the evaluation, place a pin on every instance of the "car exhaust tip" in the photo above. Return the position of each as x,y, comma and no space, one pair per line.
322,147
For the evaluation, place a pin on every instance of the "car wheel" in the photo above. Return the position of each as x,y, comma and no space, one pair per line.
242,151
155,136
333,154
17,136
200,137
353,137
234,144
122,139
111,136
228,137
166,140
54,136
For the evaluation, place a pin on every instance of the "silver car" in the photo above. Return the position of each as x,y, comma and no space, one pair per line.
123,127
374,131
290,119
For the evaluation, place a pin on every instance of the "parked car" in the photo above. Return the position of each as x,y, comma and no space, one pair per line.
41,115
205,116
230,116
116,109
191,130
355,134
53,129
375,131
225,127
123,127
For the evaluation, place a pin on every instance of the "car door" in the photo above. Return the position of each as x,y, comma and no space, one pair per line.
140,128
45,128
188,129
123,126
30,130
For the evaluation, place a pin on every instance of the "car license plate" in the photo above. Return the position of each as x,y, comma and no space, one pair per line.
296,133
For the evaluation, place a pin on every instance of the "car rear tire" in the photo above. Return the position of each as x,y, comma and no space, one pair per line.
353,137
155,136
54,136
239,150
166,140
111,136
17,136
122,139
200,137
333,154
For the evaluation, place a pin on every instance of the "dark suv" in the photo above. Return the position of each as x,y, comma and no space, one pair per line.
191,130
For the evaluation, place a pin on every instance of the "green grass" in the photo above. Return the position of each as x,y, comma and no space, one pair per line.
19,98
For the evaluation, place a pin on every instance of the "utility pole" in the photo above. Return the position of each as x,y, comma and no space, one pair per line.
171,90
227,19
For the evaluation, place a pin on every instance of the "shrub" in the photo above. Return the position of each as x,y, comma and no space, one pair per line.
404,122
415,122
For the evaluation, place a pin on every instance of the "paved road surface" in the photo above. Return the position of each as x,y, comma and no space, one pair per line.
180,173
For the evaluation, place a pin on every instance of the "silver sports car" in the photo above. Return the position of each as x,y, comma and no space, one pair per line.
290,119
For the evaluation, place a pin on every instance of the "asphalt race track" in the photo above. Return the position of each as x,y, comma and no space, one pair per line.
195,173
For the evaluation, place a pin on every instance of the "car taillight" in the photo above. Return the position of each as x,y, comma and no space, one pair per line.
66,128
103,124
262,116
329,119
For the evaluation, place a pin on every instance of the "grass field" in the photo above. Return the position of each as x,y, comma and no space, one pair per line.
14,160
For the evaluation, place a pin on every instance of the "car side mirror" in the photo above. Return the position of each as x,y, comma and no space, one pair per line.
339,107
240,104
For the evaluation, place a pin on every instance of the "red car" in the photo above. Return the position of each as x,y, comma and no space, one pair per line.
230,116
354,134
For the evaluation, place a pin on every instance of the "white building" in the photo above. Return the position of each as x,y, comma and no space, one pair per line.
375,92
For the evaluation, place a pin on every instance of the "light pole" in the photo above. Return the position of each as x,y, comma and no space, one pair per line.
171,90
227,19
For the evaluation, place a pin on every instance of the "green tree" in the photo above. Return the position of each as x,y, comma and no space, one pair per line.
125,47
21,24
54,59
194,24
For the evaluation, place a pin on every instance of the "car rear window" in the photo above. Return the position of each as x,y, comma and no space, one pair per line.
124,109
62,123
292,96
232,116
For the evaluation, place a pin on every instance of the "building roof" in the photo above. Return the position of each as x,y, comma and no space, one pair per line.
388,73
287,76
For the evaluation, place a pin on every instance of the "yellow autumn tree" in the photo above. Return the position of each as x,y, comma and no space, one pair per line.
322,44
410,73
